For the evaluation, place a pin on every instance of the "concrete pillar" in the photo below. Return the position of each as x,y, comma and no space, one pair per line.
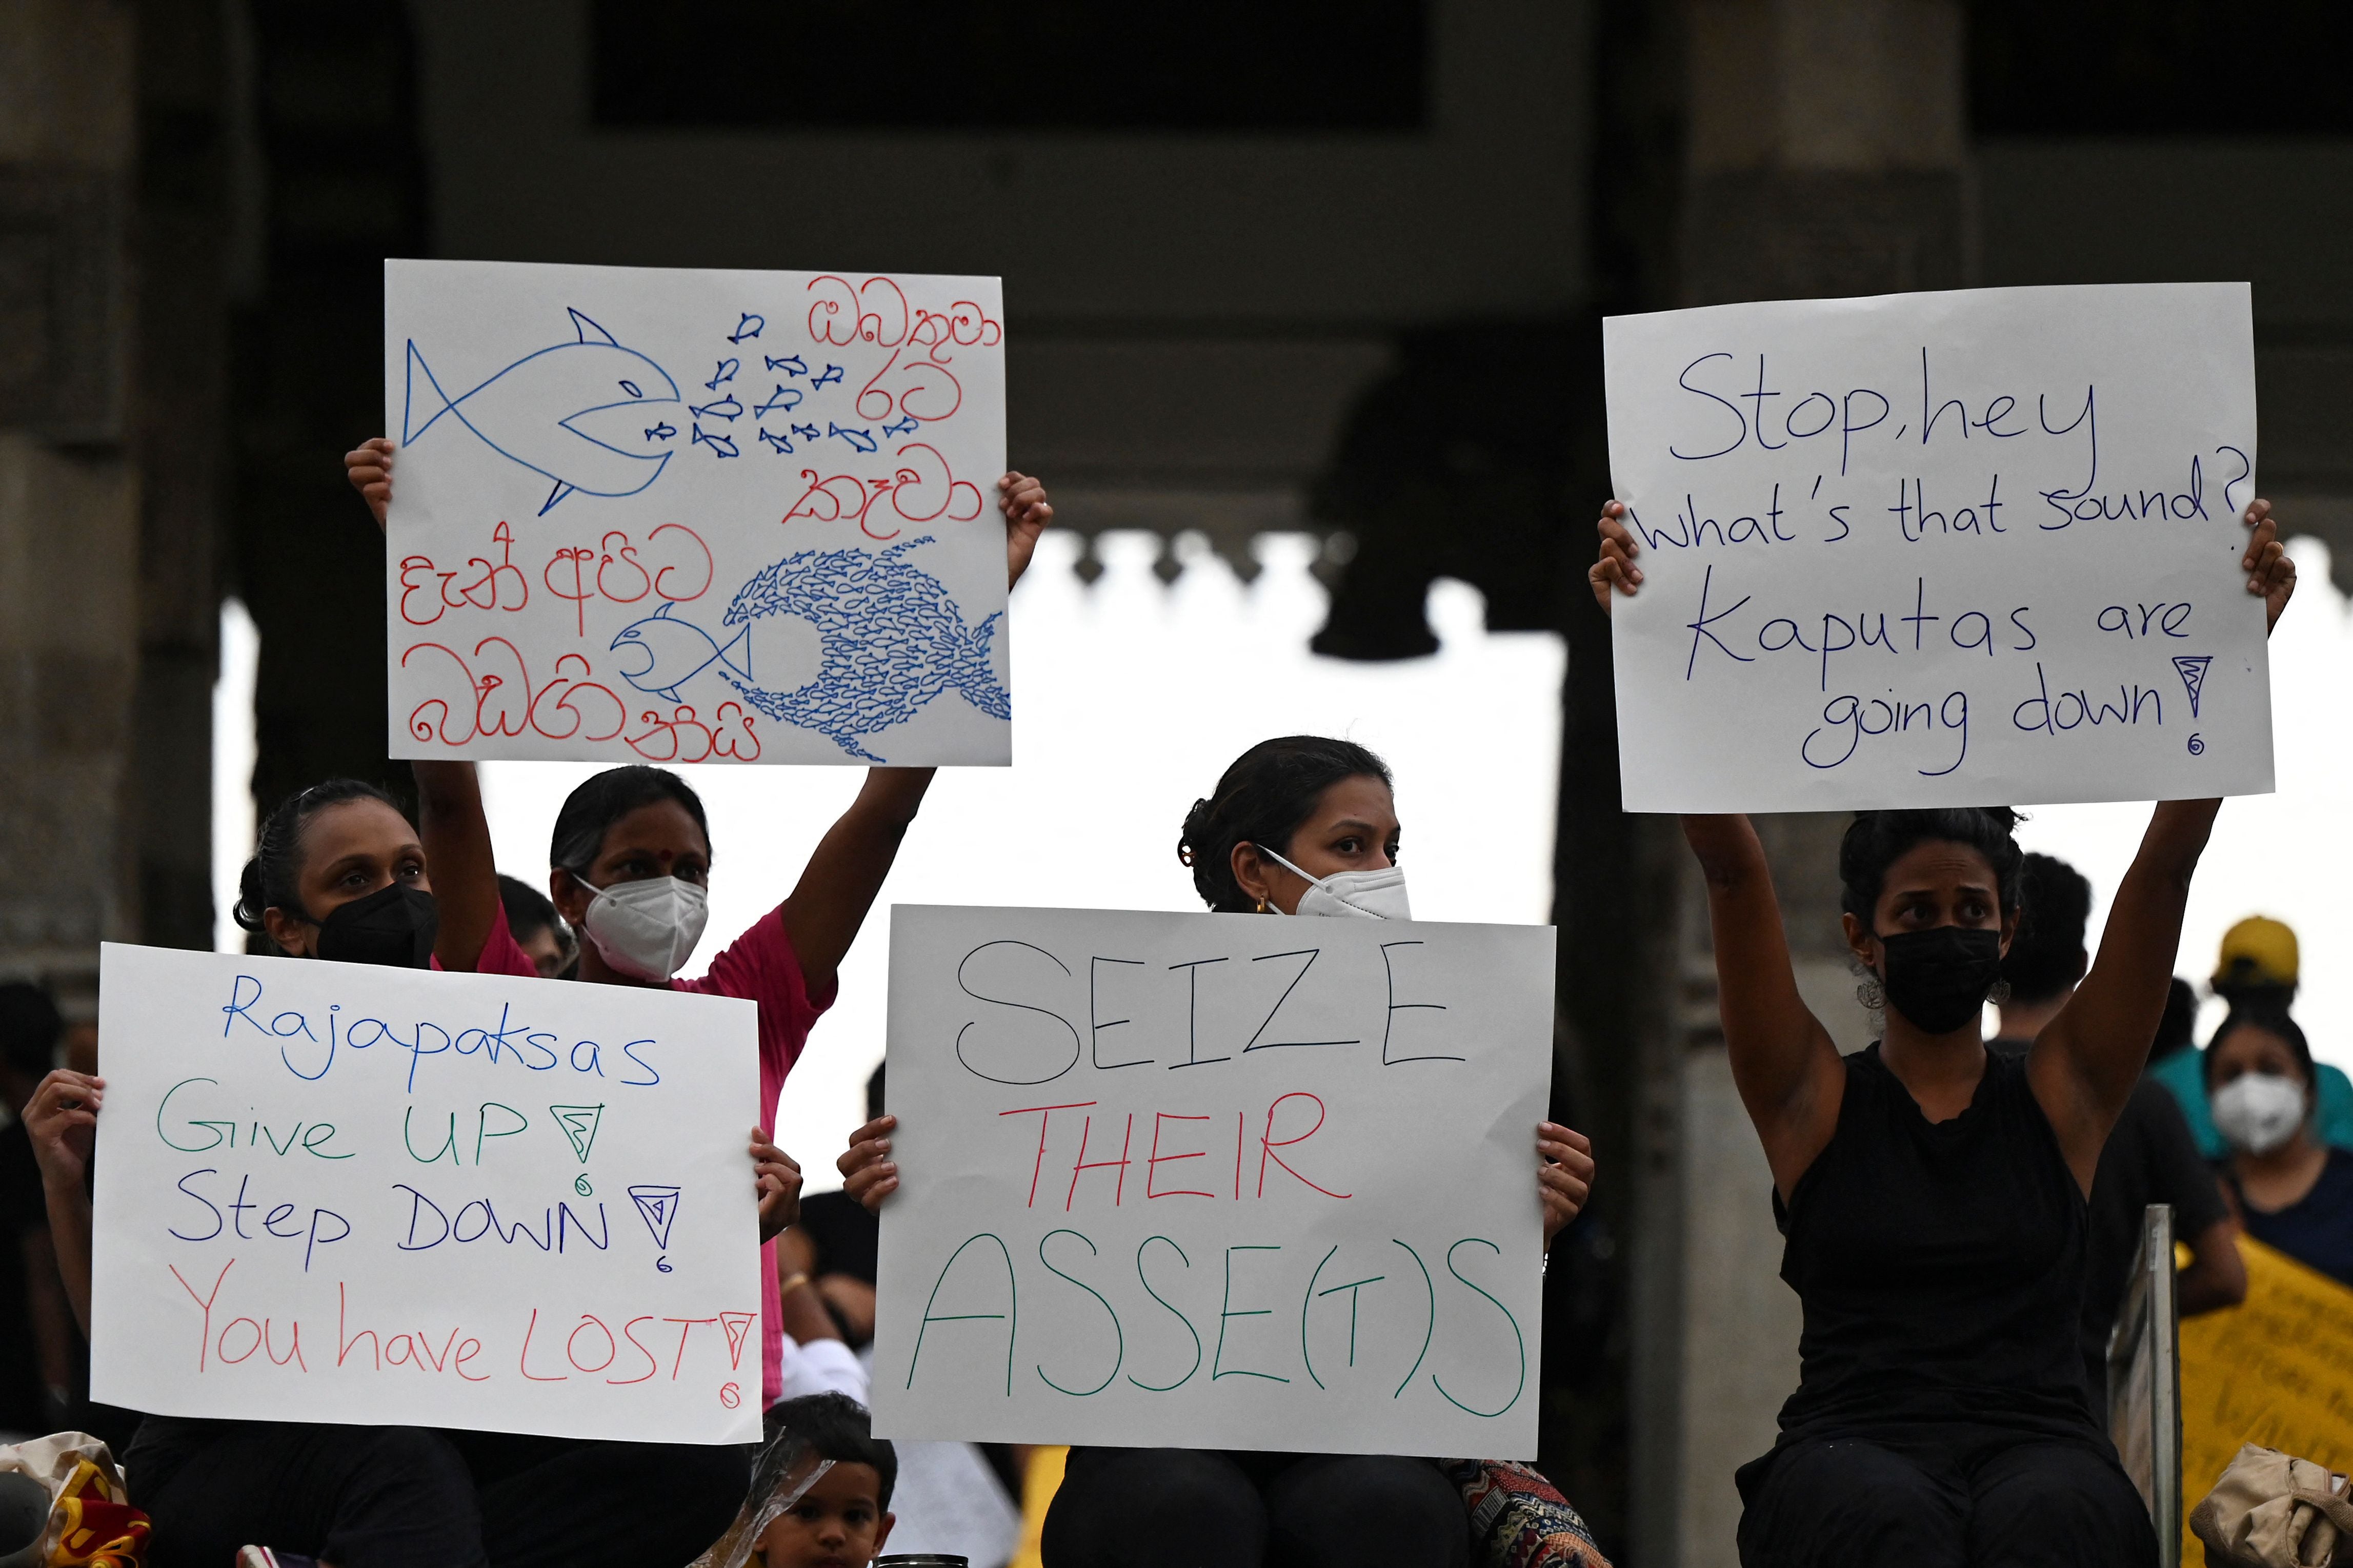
1825,151
1824,154
185,111
69,493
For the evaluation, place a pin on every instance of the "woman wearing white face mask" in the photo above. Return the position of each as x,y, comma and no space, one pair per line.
1300,826
630,861
2293,1194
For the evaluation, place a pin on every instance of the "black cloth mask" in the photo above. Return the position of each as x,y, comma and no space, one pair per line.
394,926
1938,978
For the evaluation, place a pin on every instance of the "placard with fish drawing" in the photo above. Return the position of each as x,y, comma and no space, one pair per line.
663,515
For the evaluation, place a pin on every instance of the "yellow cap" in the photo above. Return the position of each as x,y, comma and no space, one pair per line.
2257,949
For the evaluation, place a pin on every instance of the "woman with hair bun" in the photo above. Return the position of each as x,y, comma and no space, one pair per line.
1933,1194
337,873
1300,826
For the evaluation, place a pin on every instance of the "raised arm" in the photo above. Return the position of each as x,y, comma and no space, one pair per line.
1783,1061
838,886
458,858
449,820
2085,1060
2084,1063
837,889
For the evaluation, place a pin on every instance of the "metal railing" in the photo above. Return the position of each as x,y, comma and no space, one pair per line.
2145,1382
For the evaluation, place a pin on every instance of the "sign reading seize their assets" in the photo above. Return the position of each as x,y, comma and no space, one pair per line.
1945,549
335,1192
1214,1180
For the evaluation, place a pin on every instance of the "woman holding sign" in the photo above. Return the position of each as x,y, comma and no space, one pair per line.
1933,1194
339,872
629,869
1300,826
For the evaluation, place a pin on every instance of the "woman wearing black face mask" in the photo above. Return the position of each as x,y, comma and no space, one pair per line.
1933,1194
338,873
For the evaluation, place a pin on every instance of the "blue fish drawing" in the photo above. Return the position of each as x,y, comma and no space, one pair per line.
550,410
668,652
891,639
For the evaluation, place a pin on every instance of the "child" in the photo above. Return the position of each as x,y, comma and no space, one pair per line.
842,1520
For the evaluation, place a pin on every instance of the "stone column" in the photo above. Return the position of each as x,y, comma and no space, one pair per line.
1824,155
1826,149
69,494
185,111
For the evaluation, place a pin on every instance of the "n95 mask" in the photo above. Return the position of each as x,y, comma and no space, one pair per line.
1366,895
648,929
2258,1111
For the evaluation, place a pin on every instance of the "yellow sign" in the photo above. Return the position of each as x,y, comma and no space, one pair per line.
2276,1371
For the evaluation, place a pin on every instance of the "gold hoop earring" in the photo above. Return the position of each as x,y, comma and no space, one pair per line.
1261,906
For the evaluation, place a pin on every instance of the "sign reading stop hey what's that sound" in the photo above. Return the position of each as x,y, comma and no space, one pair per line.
1939,549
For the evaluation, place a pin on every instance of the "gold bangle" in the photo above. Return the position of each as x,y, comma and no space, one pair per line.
799,1278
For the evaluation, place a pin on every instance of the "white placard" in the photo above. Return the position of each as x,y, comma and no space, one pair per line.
654,515
1214,1180
336,1191
1967,548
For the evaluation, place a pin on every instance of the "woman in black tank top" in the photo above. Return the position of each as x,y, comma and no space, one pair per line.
1933,1193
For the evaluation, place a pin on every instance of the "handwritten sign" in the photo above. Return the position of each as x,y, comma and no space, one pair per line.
1940,550
1214,1180
2276,1370
659,515
332,1192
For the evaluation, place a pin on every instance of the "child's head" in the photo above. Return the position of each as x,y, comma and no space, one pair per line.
843,1520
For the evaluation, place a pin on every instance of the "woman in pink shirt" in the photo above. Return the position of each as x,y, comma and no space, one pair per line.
630,865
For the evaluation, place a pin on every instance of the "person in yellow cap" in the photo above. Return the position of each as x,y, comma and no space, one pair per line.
2258,953
2256,973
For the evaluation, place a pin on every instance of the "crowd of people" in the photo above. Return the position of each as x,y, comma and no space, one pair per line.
1959,1212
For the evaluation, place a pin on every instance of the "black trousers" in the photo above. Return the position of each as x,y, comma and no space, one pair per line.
1187,1508
403,1497
1968,1498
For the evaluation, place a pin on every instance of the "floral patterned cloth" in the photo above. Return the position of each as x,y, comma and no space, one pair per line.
1518,1518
